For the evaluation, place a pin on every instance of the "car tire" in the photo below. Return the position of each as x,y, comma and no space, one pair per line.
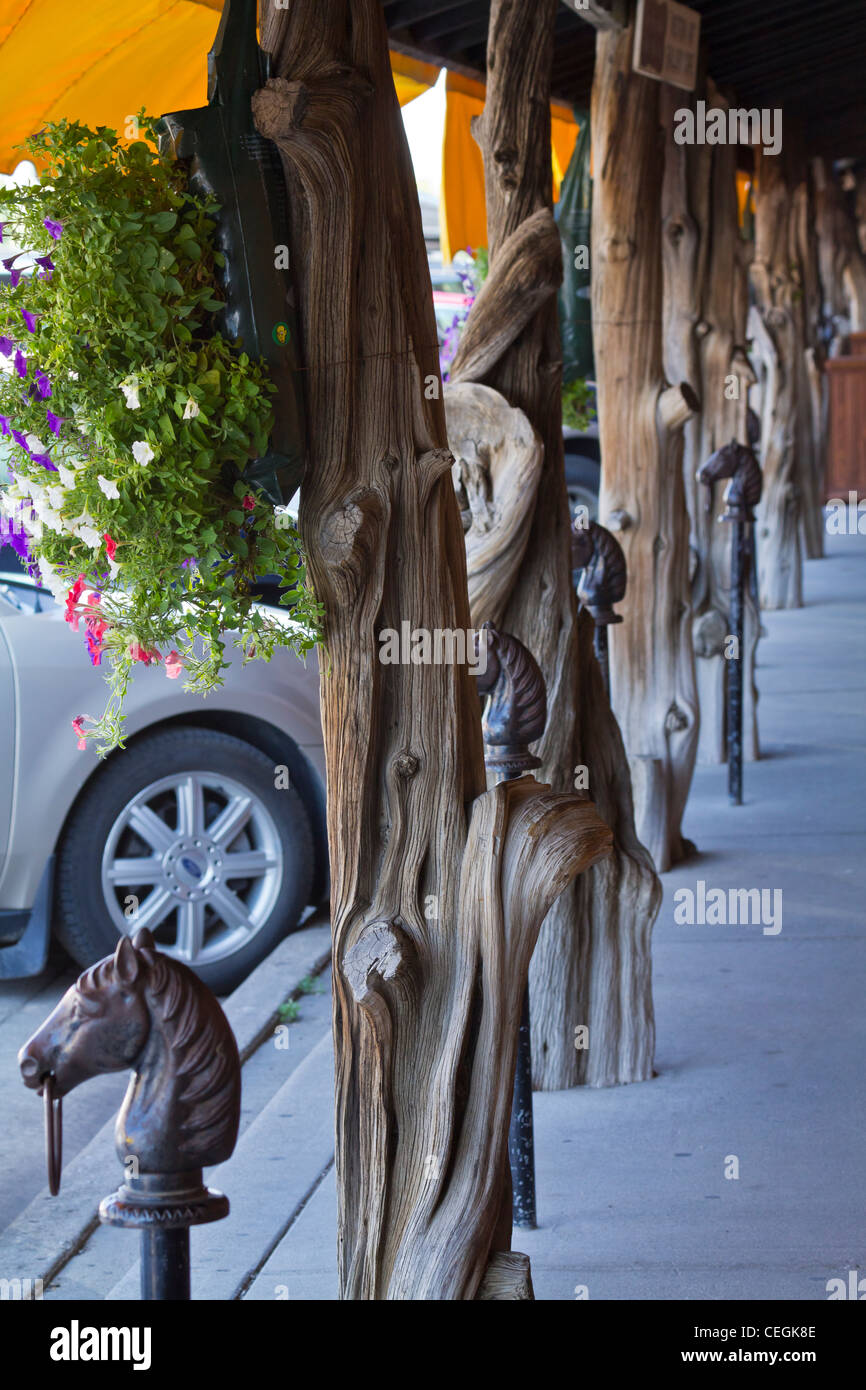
217,920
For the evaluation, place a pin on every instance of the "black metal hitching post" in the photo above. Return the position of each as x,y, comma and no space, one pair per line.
509,725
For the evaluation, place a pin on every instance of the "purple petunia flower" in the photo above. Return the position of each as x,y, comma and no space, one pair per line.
45,460
54,422
54,229
19,439
29,320
20,363
43,385
2,225
18,541
45,261
10,261
5,427
15,278
6,346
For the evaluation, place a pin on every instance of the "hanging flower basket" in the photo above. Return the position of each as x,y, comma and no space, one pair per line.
130,421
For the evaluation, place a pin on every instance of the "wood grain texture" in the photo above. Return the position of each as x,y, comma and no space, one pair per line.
438,886
641,419
497,463
810,441
773,330
593,952
703,178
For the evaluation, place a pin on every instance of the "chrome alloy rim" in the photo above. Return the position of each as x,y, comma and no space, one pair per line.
197,859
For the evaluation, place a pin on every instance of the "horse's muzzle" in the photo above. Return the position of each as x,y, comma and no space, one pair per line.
32,1070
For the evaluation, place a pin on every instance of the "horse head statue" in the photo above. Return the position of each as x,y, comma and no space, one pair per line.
598,553
516,710
738,463
143,1010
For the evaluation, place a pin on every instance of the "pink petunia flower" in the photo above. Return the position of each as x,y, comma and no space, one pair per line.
249,503
110,546
78,726
140,653
173,665
71,615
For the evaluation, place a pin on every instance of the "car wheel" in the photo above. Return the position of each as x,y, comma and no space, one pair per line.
188,833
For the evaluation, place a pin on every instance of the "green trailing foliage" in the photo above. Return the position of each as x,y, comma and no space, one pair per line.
130,421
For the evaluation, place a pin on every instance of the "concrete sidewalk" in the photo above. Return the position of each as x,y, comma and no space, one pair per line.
761,1037
760,1053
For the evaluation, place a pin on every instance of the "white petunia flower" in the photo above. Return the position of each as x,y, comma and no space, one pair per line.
142,452
73,376
91,537
34,444
130,391
108,487
190,409
57,497
51,579
66,475
53,520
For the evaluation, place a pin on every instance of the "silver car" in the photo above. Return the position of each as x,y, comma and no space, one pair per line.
208,828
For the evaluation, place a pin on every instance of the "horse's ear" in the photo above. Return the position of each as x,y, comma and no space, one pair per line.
125,961
143,939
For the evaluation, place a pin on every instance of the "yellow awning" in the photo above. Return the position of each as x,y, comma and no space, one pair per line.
462,214
99,62
411,77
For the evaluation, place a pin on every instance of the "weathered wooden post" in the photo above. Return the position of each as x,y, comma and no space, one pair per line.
439,886
591,969
641,419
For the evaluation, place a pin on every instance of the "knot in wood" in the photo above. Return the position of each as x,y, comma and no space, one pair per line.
617,246
676,719
505,157
279,107
406,765
339,531
380,956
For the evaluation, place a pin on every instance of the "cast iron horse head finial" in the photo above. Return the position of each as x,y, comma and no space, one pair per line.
597,552
516,709
144,1010
738,463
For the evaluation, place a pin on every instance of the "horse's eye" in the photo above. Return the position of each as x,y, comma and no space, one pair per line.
91,1007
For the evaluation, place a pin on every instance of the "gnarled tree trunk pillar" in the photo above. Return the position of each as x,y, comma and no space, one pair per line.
806,306
773,329
438,886
717,366
591,967
641,420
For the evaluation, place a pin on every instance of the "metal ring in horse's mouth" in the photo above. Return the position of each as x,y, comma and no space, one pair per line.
53,1132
